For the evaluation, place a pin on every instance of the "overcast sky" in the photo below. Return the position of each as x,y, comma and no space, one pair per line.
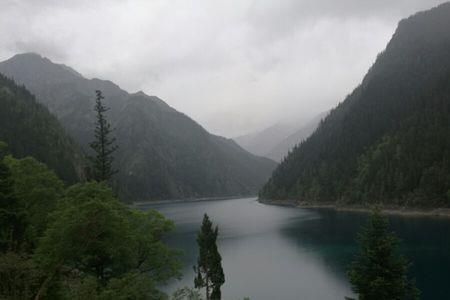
235,66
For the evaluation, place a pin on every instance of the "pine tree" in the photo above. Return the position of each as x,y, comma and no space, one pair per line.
378,272
209,265
103,145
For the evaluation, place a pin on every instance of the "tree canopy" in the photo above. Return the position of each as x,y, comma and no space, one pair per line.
76,242
378,271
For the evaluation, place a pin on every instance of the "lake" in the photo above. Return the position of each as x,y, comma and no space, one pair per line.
274,252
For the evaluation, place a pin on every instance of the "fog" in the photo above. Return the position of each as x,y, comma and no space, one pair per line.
234,66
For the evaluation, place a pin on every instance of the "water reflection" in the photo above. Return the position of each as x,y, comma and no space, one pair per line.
425,242
272,252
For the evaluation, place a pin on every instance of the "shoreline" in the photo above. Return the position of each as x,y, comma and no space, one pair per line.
387,210
186,200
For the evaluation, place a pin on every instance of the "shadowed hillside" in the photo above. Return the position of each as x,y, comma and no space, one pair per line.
389,141
162,153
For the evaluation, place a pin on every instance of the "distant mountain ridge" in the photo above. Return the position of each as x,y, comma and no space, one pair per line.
260,143
389,141
281,150
162,153
276,141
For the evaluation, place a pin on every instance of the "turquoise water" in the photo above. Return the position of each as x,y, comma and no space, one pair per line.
273,252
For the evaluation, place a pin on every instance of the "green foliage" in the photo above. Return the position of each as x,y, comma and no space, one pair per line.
32,191
186,293
93,235
389,141
103,145
28,191
89,233
76,243
29,129
36,190
410,167
20,277
8,210
378,272
209,265
129,286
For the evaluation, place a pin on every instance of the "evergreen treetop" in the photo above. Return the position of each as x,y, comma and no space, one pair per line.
209,265
378,272
103,144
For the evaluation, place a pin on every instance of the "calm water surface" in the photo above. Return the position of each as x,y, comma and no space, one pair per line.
274,252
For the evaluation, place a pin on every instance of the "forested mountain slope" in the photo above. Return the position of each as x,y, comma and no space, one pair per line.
389,141
29,129
281,150
162,152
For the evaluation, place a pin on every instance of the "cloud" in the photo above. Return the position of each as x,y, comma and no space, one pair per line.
234,66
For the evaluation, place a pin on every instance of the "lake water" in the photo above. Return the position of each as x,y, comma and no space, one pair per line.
273,252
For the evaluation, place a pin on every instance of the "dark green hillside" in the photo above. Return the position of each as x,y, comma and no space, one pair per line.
389,140
176,158
162,152
29,129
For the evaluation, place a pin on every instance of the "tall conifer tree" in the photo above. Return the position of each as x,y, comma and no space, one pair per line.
378,272
103,145
209,265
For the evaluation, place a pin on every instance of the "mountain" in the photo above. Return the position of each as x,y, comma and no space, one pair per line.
281,150
389,141
30,130
276,141
260,143
162,153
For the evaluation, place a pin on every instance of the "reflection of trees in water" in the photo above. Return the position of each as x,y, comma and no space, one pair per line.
331,236
425,242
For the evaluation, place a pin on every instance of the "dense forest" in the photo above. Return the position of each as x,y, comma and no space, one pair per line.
161,152
77,242
389,141
29,129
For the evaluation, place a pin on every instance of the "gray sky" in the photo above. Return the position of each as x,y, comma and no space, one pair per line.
233,65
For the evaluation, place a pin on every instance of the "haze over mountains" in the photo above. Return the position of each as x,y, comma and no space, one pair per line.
389,141
282,149
162,152
260,143
276,141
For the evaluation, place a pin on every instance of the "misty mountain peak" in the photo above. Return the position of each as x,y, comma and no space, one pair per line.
40,60
35,67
